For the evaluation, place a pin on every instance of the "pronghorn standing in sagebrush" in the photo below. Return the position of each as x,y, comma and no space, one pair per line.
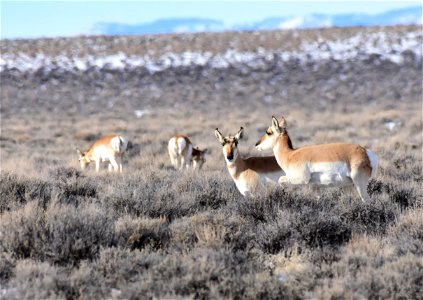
108,148
251,174
327,164
182,152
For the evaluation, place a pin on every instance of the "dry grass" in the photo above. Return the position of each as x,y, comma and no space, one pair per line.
160,233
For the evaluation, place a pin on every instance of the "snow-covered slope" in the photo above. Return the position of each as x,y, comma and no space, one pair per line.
396,47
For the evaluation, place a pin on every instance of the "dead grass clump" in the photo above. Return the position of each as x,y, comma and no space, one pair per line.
205,273
110,276
370,268
260,209
211,228
20,231
373,217
72,187
58,234
38,280
276,236
7,266
321,228
71,235
151,233
407,233
16,191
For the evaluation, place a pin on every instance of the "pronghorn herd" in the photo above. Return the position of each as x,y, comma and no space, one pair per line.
318,165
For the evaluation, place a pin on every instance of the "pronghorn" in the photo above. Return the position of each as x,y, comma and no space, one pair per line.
108,148
327,164
182,153
251,175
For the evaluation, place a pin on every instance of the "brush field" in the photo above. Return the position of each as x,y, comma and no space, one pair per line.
154,232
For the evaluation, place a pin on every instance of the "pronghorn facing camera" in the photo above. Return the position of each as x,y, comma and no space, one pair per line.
327,164
182,152
108,148
253,174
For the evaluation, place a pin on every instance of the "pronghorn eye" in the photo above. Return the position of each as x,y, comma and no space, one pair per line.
268,132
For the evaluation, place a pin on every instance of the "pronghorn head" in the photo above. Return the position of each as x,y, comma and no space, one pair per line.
268,140
84,160
198,157
230,144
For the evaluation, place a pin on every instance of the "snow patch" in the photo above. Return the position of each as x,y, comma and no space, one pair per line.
291,23
362,46
142,112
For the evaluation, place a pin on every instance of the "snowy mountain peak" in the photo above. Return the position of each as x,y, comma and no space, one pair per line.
405,16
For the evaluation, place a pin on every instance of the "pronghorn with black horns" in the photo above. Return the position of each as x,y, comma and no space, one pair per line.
251,175
109,148
182,153
327,164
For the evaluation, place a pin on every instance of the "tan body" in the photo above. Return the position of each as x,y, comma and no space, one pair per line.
182,153
109,149
327,164
251,175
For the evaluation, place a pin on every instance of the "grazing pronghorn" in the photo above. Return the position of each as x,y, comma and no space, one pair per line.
108,148
182,152
327,164
250,174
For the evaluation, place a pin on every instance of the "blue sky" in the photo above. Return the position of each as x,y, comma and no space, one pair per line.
32,19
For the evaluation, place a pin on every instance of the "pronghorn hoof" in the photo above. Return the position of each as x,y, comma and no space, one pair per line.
282,180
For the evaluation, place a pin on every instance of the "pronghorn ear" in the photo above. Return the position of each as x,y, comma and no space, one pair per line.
275,125
239,134
275,122
282,123
219,136
78,151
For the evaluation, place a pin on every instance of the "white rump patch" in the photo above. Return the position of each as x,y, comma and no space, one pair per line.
119,144
181,145
373,161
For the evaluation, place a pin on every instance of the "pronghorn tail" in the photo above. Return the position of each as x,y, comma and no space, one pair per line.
373,161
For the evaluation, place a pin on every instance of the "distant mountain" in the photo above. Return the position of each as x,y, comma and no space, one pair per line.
160,26
411,15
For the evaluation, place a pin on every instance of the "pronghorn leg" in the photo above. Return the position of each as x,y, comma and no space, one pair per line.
173,159
114,164
177,161
110,167
97,165
182,162
174,162
187,160
299,178
283,179
120,163
360,181
316,190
